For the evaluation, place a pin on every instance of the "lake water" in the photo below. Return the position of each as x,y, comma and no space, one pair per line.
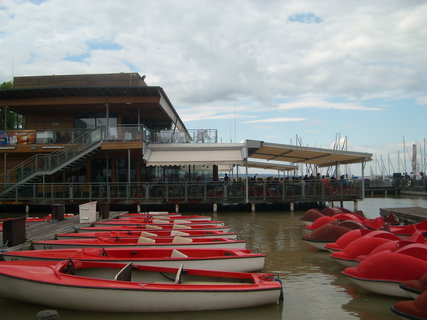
313,285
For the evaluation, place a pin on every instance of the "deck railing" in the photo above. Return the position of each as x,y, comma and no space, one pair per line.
189,136
181,192
118,133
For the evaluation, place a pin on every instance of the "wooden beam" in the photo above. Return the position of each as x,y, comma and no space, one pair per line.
77,100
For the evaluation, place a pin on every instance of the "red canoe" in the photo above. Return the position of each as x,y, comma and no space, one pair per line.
153,227
176,242
154,233
136,216
241,260
114,287
136,222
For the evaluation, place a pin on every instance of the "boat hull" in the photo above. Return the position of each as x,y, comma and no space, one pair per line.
388,288
106,287
320,245
115,300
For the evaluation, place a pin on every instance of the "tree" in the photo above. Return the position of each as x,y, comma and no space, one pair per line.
13,120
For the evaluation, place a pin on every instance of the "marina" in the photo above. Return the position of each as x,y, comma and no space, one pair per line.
308,275
238,160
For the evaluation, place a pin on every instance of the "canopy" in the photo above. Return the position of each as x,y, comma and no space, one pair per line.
298,154
274,156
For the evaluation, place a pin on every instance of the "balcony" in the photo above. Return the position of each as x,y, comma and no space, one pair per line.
10,139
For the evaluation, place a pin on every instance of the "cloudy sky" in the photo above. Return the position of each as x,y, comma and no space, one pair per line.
306,72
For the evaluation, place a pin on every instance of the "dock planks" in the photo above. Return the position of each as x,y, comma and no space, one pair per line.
37,231
406,215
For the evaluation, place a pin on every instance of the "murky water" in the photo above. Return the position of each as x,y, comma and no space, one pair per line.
314,287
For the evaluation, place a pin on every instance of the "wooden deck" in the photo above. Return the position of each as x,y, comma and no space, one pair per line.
37,231
406,215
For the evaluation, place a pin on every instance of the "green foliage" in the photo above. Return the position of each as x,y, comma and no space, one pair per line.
6,85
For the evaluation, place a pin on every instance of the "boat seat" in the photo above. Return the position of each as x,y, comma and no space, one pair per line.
181,221
180,226
164,218
148,234
145,240
151,227
179,233
178,239
178,254
158,221
125,274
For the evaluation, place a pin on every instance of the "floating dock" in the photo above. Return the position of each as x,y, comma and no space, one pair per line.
406,215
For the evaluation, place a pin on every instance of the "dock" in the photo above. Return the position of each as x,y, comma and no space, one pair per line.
47,230
406,215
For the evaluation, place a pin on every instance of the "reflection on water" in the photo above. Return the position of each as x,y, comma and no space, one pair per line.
15,311
313,285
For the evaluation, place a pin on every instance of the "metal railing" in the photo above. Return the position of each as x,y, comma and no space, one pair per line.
207,191
48,162
189,136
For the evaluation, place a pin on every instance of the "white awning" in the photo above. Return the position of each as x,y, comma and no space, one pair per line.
298,154
194,154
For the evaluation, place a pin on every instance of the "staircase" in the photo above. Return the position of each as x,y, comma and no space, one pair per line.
47,164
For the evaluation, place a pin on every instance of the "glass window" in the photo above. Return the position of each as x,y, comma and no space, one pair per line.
94,120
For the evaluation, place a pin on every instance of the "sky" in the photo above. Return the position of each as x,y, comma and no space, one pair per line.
315,73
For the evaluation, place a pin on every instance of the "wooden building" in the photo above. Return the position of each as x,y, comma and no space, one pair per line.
110,137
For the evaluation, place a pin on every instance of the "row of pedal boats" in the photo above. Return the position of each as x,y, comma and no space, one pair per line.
143,262
377,255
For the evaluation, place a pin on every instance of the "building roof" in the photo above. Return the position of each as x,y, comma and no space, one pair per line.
91,92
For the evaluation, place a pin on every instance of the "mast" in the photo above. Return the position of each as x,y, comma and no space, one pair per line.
414,158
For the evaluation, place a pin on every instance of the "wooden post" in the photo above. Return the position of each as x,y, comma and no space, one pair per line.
355,203
253,207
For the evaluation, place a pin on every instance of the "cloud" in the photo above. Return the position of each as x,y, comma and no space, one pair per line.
322,104
271,120
422,101
203,52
